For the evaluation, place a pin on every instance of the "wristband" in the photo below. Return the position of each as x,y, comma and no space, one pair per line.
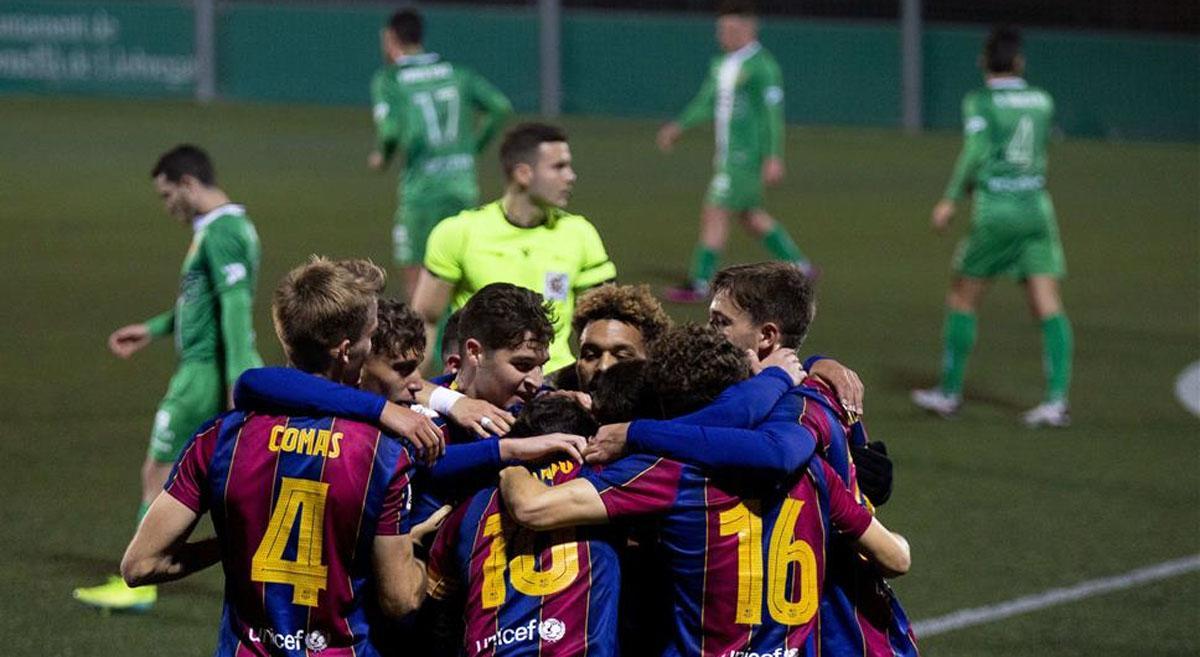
442,399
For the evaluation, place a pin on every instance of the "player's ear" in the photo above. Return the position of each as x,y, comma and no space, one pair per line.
523,174
769,336
472,350
341,353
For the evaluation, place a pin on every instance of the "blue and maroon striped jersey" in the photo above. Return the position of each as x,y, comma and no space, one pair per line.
747,564
297,503
860,614
527,593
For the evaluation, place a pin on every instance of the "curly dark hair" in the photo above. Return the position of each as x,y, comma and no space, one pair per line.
632,304
400,330
775,292
622,393
501,314
690,365
553,414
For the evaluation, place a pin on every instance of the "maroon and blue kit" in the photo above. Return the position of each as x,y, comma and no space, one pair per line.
527,593
860,614
746,562
297,503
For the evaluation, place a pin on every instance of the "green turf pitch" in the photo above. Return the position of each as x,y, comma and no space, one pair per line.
993,511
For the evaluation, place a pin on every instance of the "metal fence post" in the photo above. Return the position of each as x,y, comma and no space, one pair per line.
206,50
911,71
550,56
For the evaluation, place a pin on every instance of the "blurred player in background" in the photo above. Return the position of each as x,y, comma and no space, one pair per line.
526,238
743,95
1006,127
427,108
212,321
340,487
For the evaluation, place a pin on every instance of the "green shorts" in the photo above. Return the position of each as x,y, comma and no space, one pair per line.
736,188
1011,236
415,219
195,394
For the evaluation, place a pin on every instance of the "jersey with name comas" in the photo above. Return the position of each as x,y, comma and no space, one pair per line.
527,593
296,503
747,567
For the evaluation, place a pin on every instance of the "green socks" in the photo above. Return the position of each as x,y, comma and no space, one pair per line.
704,264
1057,345
781,247
959,337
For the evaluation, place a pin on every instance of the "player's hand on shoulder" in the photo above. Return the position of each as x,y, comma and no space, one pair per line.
785,359
845,383
773,171
127,340
668,135
943,212
481,417
538,448
608,444
420,430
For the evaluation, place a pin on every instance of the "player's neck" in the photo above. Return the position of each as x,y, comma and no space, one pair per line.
210,199
520,210
410,49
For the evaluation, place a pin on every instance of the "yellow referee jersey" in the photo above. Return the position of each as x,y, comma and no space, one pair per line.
557,259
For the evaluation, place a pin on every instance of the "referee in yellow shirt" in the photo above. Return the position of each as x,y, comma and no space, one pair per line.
526,238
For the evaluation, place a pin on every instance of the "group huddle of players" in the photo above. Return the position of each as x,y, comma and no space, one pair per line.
680,490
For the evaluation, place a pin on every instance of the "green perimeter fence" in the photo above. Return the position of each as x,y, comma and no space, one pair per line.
613,63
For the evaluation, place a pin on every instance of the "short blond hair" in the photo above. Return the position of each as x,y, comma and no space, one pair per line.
321,303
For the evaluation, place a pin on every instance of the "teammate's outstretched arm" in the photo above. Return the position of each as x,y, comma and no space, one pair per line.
537,506
158,551
887,549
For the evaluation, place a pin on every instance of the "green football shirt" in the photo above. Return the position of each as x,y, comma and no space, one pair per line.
213,315
743,96
1006,127
425,108
557,259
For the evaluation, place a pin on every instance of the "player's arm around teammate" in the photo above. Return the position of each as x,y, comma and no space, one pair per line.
159,551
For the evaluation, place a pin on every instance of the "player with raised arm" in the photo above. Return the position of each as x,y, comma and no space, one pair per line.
526,238
743,96
1006,130
212,321
734,589
439,115
311,512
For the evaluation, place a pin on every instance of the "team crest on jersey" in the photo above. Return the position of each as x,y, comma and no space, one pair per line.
316,641
552,629
557,286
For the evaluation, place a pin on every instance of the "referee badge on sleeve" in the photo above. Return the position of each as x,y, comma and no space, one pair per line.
557,286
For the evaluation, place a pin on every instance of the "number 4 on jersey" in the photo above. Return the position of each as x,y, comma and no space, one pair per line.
1020,147
304,501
